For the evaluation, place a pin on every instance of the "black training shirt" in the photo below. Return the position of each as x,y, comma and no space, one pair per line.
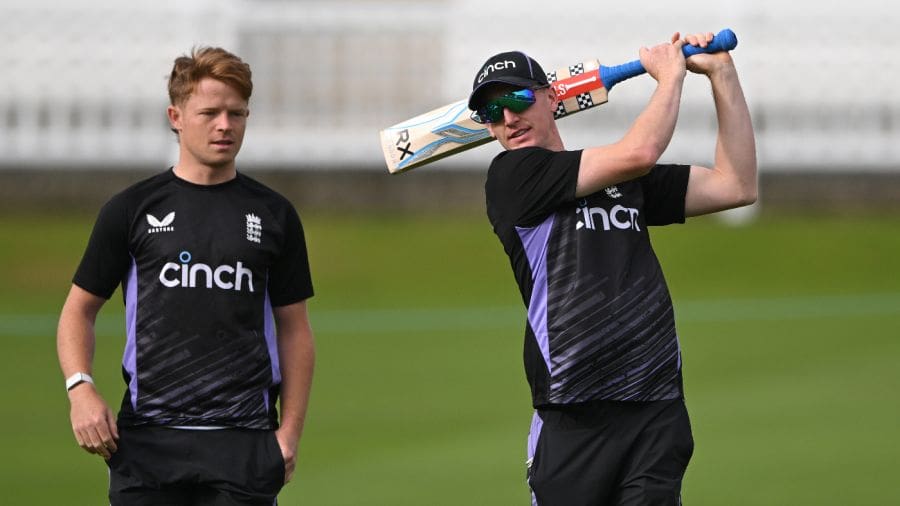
201,268
600,321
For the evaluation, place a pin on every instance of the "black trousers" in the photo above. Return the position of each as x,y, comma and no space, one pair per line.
610,453
177,467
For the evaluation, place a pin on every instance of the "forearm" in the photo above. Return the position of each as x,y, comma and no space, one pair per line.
735,155
639,149
652,130
732,181
93,423
75,337
297,360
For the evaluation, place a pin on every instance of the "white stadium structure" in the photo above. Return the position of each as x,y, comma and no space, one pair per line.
84,82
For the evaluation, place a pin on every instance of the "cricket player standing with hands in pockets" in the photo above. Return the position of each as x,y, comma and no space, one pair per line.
601,351
215,277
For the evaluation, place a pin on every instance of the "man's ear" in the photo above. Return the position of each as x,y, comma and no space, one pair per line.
174,114
490,128
554,100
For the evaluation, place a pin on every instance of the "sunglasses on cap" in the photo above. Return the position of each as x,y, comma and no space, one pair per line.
516,101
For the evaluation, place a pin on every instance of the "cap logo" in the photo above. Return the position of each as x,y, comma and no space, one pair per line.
500,65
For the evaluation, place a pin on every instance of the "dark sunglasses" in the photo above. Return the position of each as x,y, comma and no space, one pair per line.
516,101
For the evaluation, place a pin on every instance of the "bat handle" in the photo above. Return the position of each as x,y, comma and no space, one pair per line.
725,40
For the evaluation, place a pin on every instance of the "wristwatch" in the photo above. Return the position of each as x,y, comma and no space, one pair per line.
77,379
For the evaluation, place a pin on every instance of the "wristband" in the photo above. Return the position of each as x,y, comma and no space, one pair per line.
77,379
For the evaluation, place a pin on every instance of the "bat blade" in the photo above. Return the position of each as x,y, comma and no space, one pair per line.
431,136
450,129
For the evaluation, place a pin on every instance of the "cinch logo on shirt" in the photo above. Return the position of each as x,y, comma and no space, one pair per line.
619,217
188,275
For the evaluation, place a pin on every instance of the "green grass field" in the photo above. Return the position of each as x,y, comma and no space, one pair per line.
790,329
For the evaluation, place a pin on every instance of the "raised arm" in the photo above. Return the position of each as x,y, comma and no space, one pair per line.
732,181
642,145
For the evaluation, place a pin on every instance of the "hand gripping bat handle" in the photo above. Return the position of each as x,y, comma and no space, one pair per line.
725,40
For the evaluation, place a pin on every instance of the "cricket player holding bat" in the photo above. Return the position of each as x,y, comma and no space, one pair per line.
601,350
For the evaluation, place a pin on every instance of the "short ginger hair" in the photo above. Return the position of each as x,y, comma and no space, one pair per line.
208,62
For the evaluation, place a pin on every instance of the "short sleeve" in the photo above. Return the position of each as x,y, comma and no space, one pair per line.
290,280
525,185
106,259
665,189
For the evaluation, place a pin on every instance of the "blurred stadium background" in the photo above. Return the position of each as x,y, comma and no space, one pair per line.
84,87
790,323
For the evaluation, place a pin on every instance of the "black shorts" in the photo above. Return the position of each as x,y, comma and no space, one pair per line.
164,466
609,453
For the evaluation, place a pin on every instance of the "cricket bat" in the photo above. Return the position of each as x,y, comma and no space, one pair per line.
448,130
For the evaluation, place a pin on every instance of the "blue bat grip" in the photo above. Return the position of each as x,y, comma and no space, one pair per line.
725,40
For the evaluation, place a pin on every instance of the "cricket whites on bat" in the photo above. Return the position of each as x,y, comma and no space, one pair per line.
449,130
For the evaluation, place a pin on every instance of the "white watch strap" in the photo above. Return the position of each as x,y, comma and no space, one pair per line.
77,379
